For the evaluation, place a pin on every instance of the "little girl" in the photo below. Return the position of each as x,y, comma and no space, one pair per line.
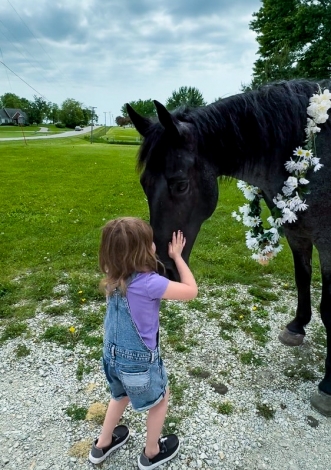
131,355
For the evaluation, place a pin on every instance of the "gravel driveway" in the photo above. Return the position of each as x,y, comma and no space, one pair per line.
231,415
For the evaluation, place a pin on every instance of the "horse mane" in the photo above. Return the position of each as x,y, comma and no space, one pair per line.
255,120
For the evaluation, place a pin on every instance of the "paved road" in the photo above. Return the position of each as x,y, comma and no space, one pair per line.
85,130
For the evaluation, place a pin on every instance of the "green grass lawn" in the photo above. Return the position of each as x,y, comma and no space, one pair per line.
57,194
123,134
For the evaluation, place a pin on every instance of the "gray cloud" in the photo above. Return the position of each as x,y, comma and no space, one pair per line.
105,53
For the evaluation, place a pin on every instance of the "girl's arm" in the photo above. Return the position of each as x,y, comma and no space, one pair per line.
187,288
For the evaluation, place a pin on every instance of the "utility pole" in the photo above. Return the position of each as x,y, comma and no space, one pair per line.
109,118
92,123
105,112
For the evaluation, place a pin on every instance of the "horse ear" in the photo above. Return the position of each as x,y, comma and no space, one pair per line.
141,123
166,119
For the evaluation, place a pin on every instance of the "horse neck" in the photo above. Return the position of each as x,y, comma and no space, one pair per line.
252,140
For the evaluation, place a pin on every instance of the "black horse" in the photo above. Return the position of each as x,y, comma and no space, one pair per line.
247,136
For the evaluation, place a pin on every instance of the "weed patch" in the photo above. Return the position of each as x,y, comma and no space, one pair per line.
76,413
177,390
266,411
13,330
225,408
22,351
171,423
82,369
250,358
262,294
199,372
59,334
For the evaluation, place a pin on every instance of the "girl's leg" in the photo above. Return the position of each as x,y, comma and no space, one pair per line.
155,420
113,415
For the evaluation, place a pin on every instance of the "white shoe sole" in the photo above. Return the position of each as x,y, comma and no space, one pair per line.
155,465
96,460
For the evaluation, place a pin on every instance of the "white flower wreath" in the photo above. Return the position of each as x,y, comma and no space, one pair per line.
265,242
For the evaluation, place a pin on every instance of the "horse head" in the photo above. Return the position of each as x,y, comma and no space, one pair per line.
180,186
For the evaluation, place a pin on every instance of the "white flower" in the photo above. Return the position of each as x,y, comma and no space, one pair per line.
294,202
280,204
311,127
236,216
308,153
251,221
249,191
318,166
291,166
251,242
303,181
275,234
292,182
245,209
271,221
302,206
298,152
279,222
287,191
289,216
256,221
326,95
265,244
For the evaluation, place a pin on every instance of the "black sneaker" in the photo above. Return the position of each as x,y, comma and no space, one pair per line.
169,447
120,436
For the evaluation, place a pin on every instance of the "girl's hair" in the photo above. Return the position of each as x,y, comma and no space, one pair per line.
126,247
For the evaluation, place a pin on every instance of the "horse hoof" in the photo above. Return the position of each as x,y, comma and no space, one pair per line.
321,402
290,339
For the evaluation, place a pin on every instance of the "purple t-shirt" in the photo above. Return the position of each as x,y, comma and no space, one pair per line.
144,295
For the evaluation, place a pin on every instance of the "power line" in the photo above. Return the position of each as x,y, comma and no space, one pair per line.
27,27
6,70
23,55
43,96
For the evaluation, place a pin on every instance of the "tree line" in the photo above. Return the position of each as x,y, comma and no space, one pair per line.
184,96
70,114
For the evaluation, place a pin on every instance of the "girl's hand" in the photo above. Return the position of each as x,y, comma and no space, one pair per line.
176,245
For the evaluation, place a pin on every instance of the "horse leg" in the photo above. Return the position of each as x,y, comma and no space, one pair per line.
321,400
294,332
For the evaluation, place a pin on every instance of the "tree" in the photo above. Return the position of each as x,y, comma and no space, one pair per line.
143,107
71,113
294,39
122,121
53,112
10,100
37,110
189,96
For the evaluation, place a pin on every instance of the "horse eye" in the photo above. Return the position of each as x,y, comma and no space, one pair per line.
179,187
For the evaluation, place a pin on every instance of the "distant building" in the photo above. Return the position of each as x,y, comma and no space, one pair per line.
13,116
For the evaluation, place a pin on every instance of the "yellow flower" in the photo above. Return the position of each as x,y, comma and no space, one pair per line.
254,307
72,329
80,292
83,300
285,285
241,317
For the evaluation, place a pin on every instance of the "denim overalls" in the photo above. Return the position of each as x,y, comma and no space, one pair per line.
131,368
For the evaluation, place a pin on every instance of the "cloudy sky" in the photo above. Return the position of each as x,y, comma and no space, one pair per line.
105,53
